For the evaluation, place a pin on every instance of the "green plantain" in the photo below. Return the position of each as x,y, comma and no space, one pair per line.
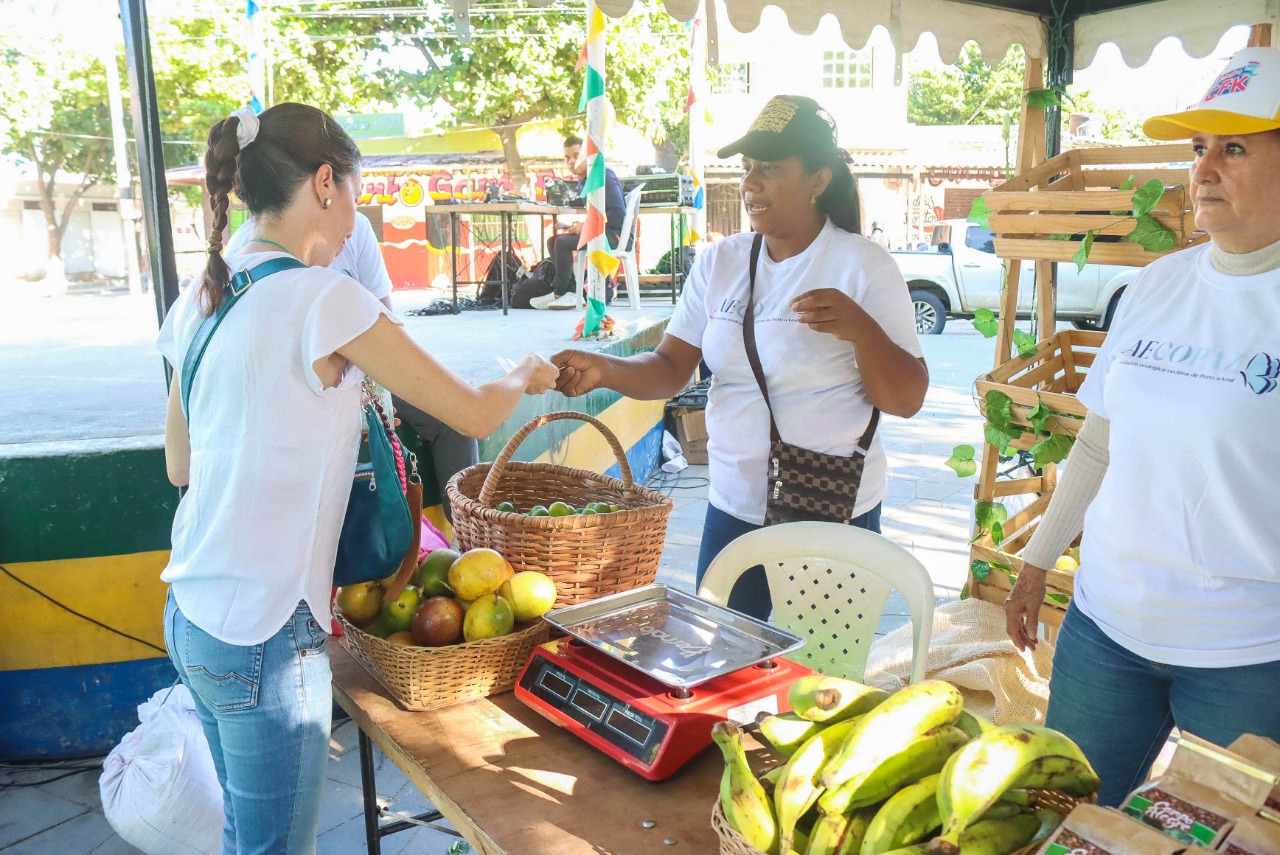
1003,759
839,833
925,755
786,731
889,728
831,699
742,798
974,724
999,836
909,816
797,789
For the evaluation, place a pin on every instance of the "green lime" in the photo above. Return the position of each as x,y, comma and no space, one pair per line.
506,507
613,509
599,507
539,511
560,509
588,511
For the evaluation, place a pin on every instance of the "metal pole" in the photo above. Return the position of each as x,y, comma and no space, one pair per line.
124,181
146,128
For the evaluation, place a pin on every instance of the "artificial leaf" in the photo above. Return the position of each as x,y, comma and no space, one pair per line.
980,570
984,321
1043,99
1146,197
964,591
998,408
1151,236
997,533
1024,342
1009,572
1001,437
986,514
1058,598
1081,258
1039,417
459,847
1127,185
980,213
962,461
1059,237
1051,449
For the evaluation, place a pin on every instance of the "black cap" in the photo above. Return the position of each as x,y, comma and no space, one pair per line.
789,125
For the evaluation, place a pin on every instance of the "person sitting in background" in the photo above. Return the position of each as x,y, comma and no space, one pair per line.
561,247
1174,477
878,235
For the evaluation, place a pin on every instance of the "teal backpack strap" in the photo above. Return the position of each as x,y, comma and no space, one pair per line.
238,285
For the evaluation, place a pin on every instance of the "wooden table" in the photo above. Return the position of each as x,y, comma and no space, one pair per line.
677,230
507,213
512,782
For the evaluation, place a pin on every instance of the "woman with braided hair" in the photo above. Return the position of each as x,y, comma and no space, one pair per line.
267,446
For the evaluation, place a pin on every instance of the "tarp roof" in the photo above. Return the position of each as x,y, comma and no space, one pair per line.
1136,26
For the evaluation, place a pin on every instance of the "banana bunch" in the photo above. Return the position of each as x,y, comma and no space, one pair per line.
912,773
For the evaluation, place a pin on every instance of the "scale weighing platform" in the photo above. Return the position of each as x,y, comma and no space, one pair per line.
645,674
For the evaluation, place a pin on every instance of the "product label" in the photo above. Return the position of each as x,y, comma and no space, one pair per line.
1232,849
1179,819
1067,843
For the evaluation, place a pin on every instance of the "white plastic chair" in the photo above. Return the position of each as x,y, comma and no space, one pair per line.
829,584
625,252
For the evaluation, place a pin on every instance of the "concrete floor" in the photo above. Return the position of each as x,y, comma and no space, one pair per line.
928,510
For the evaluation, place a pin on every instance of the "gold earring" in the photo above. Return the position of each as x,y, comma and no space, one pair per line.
813,200
327,202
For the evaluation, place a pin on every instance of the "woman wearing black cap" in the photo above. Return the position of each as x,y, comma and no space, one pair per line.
1175,474
833,325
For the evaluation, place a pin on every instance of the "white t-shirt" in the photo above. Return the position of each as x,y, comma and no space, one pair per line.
813,378
1180,561
272,450
361,259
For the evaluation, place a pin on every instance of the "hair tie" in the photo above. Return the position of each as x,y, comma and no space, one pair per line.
247,130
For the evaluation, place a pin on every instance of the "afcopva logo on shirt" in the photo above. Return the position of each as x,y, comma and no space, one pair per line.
1261,373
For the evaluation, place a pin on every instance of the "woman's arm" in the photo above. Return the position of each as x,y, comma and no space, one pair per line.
387,354
177,440
1063,520
894,380
652,376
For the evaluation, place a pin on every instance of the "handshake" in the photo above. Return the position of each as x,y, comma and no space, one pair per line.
569,372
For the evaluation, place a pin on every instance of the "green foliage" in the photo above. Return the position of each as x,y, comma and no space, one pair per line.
1051,449
969,92
962,461
1146,197
984,321
980,570
1024,342
979,213
998,406
1001,437
989,517
1081,256
1039,417
1151,236
1043,99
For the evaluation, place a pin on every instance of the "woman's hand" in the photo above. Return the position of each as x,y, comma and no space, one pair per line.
830,311
580,372
1022,607
542,374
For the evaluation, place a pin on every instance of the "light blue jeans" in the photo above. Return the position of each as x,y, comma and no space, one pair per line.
266,711
1120,707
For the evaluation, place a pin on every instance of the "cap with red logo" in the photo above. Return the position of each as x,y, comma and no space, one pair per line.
1244,99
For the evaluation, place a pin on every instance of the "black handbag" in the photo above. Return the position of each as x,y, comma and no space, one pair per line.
803,484
377,531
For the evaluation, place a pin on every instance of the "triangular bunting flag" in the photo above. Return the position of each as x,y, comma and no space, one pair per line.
604,262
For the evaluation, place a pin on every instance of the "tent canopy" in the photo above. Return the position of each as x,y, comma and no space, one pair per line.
1136,26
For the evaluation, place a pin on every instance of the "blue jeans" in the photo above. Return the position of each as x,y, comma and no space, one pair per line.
1120,707
266,711
750,593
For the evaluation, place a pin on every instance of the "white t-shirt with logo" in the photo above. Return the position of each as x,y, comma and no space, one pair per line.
813,378
361,258
1180,561
272,450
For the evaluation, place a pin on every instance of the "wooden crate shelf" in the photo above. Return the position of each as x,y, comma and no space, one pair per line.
1052,375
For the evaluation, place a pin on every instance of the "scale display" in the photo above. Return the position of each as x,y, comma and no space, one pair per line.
626,728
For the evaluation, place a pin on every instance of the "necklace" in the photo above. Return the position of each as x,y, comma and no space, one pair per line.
273,243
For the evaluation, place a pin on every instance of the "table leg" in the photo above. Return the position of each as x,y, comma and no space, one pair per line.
679,255
373,840
506,238
675,253
453,246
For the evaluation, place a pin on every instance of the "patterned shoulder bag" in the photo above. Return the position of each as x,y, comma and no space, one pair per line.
803,484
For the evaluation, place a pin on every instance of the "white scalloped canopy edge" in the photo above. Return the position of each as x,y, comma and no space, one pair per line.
1199,24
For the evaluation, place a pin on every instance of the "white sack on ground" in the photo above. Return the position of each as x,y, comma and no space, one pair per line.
971,650
159,789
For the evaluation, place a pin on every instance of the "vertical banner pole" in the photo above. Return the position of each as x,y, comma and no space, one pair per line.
593,239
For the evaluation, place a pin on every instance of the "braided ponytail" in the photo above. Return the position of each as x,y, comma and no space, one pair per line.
840,200
219,175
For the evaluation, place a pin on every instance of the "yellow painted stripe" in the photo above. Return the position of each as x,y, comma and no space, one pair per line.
587,448
121,591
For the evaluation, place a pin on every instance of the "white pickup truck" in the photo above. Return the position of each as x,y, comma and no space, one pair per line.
961,273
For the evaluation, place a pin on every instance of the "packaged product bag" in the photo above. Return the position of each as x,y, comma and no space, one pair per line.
1265,753
1093,830
1253,835
1202,794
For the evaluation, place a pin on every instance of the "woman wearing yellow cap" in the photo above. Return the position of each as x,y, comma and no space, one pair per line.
833,326
1175,476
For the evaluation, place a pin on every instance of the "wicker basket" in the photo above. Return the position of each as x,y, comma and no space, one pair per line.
1052,375
428,678
1076,191
587,556
733,843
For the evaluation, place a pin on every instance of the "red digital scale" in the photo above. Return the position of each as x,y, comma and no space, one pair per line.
645,674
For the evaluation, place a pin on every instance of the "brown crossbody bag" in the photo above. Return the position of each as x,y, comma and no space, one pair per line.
803,484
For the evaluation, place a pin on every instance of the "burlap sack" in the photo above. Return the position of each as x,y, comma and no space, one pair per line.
970,649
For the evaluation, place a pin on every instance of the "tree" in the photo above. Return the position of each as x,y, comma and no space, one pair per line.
969,92
53,114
